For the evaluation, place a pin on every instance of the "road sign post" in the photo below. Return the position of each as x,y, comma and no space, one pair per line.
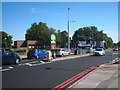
53,42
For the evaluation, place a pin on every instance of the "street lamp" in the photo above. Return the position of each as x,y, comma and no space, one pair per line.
68,30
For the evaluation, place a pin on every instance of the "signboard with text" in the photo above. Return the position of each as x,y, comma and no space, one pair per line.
53,42
53,47
84,43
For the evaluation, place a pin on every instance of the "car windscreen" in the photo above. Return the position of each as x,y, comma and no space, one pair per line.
99,49
40,50
31,51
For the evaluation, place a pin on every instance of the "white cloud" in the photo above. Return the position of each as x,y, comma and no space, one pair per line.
34,10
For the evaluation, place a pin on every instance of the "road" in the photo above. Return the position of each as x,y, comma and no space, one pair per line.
50,74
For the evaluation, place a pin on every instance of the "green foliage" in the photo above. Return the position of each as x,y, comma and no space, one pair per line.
118,44
62,38
42,33
6,39
23,53
92,34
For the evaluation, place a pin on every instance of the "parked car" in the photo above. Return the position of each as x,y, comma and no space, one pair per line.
115,49
99,51
118,48
61,52
18,57
8,57
36,53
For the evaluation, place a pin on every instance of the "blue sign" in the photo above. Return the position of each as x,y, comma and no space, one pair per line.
53,41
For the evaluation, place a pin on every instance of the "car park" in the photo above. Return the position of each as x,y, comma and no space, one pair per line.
8,57
60,52
99,51
36,53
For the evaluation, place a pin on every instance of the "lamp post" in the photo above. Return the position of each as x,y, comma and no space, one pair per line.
69,30
103,43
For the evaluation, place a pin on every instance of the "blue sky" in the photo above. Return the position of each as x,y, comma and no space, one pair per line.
17,17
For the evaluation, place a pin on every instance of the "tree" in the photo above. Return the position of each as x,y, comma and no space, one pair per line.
39,32
92,34
62,38
6,39
118,43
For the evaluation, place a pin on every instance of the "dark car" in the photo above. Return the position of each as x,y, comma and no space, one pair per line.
8,57
18,58
36,53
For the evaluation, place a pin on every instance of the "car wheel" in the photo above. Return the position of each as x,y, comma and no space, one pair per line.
37,57
62,55
45,56
17,61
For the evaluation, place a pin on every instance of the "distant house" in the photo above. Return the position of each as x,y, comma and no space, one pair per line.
30,44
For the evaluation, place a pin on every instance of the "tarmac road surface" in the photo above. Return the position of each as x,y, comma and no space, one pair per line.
49,74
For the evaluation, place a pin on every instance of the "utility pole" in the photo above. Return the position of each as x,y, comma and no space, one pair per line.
68,31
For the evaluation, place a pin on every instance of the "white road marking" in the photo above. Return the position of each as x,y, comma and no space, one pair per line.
42,62
115,53
35,63
39,64
28,63
9,68
115,60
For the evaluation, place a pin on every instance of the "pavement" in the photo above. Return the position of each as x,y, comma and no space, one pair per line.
71,57
105,76
63,58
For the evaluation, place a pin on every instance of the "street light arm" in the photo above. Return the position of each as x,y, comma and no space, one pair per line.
71,21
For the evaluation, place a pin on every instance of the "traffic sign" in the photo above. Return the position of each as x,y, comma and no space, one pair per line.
53,37
53,47
53,42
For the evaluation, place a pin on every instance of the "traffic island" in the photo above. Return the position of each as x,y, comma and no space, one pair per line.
70,57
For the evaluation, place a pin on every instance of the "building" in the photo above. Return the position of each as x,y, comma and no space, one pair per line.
86,44
29,44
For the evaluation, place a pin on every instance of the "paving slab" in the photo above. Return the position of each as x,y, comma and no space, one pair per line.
106,76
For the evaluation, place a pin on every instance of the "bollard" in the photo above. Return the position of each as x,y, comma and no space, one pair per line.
54,55
49,55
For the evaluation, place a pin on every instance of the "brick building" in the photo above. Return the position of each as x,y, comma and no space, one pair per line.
26,44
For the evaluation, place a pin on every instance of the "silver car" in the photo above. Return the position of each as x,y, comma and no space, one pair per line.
61,52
